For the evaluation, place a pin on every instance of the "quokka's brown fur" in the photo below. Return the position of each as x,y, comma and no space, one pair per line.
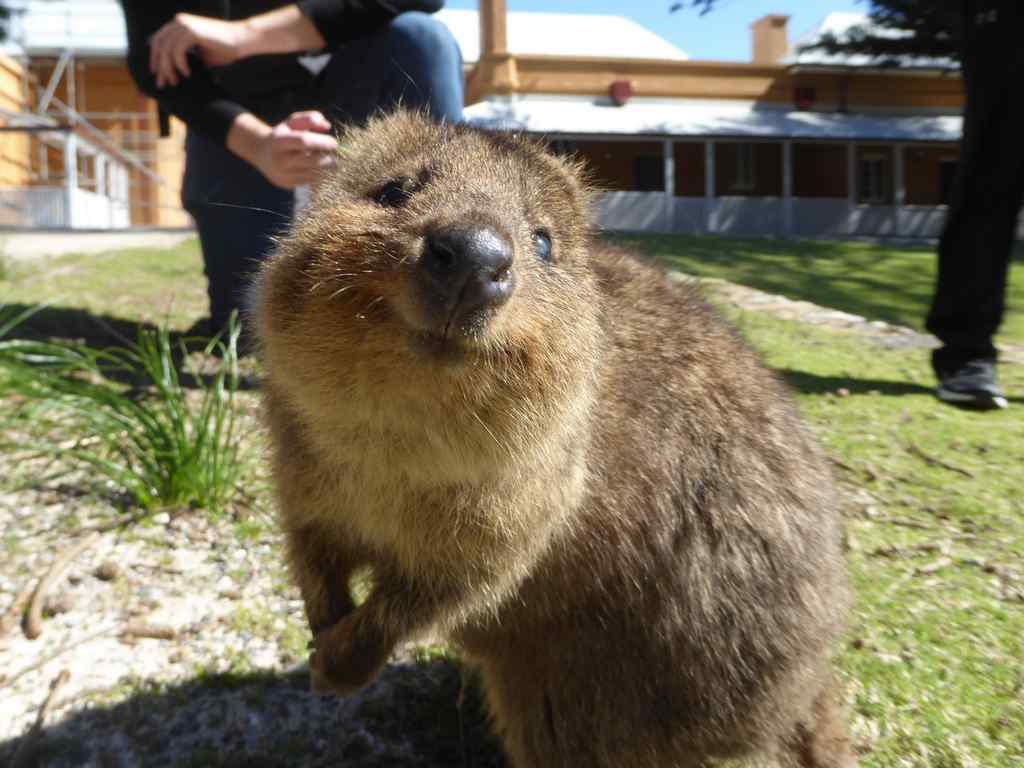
596,490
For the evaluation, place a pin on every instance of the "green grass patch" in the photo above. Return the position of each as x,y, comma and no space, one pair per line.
124,415
934,660
877,281
156,285
933,664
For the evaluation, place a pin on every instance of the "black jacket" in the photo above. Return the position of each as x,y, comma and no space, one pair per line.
209,100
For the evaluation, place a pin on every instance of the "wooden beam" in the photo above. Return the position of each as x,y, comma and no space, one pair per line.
493,28
773,83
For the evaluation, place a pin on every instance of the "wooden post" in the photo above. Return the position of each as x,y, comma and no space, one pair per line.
496,72
493,28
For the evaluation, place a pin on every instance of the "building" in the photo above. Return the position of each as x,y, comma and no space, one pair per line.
790,143
78,142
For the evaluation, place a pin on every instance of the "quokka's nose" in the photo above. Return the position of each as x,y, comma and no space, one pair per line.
466,269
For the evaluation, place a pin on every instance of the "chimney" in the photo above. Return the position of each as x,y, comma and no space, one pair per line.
493,31
769,38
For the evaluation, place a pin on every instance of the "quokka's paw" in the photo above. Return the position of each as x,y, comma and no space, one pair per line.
344,660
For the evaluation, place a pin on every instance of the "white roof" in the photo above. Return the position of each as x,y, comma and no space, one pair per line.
96,27
564,34
698,118
89,27
839,24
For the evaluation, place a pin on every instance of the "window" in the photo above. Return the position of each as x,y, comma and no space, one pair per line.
743,176
874,178
649,173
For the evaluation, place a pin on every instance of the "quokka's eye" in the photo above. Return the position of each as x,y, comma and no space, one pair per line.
396,192
542,245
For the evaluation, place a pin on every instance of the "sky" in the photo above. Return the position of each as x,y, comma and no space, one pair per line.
722,34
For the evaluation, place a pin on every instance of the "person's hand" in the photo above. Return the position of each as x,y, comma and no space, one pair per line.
296,150
216,42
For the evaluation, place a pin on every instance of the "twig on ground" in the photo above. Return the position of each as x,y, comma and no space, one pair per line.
933,461
139,629
23,757
843,465
34,616
118,522
13,615
903,522
894,550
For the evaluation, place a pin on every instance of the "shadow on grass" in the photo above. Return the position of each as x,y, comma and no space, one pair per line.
104,332
414,715
72,324
813,384
880,282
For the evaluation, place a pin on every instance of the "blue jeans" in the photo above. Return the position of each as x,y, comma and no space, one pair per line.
413,60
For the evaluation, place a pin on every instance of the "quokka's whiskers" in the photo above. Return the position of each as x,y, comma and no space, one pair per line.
340,291
284,216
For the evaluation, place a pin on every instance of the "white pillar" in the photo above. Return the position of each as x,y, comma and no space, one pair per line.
121,172
709,185
101,174
787,188
70,177
668,151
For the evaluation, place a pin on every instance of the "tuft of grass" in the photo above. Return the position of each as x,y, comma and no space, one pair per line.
153,439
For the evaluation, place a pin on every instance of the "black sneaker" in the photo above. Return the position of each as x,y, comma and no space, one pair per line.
972,385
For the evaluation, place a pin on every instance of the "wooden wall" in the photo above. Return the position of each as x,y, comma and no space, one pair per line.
772,83
106,95
15,169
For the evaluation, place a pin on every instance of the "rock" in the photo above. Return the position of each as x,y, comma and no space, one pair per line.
59,603
108,571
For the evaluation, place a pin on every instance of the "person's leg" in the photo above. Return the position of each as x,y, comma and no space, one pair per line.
237,212
974,253
413,61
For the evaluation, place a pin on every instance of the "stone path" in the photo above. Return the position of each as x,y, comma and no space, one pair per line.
886,334
26,245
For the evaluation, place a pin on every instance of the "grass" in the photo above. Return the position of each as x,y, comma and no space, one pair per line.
153,285
151,438
880,282
933,664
